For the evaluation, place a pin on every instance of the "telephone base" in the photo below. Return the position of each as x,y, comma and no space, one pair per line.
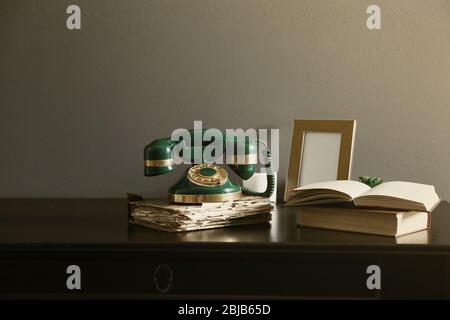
201,198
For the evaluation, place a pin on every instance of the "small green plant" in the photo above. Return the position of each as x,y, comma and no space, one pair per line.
371,181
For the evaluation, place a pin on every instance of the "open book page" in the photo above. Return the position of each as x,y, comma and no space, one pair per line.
409,191
349,187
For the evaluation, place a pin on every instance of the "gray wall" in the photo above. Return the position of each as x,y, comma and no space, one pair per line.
77,107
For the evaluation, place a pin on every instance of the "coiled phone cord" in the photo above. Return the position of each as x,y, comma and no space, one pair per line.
270,180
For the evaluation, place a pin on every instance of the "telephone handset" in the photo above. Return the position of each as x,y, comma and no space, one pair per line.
208,182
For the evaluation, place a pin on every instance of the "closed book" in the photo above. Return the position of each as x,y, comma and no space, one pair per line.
394,223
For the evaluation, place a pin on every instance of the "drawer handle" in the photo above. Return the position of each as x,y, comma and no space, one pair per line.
163,278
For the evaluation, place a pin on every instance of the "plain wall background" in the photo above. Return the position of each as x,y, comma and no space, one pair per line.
78,107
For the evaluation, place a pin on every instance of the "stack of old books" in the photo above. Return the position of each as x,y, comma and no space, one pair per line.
391,209
161,215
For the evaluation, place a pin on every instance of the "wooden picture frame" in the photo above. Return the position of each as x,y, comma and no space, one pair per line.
337,136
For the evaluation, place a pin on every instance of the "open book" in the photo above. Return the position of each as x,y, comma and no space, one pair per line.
391,195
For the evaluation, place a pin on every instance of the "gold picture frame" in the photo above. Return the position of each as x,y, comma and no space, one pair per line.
345,130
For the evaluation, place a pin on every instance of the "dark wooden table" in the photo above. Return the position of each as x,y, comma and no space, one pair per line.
40,238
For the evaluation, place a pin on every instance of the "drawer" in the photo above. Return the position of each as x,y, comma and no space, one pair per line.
190,274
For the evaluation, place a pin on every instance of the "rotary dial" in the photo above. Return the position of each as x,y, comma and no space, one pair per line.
207,175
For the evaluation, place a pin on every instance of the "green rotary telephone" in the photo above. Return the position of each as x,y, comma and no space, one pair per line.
206,181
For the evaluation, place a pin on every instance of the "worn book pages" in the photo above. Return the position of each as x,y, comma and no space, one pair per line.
177,226
159,214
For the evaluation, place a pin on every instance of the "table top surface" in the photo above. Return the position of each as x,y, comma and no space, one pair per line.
103,222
